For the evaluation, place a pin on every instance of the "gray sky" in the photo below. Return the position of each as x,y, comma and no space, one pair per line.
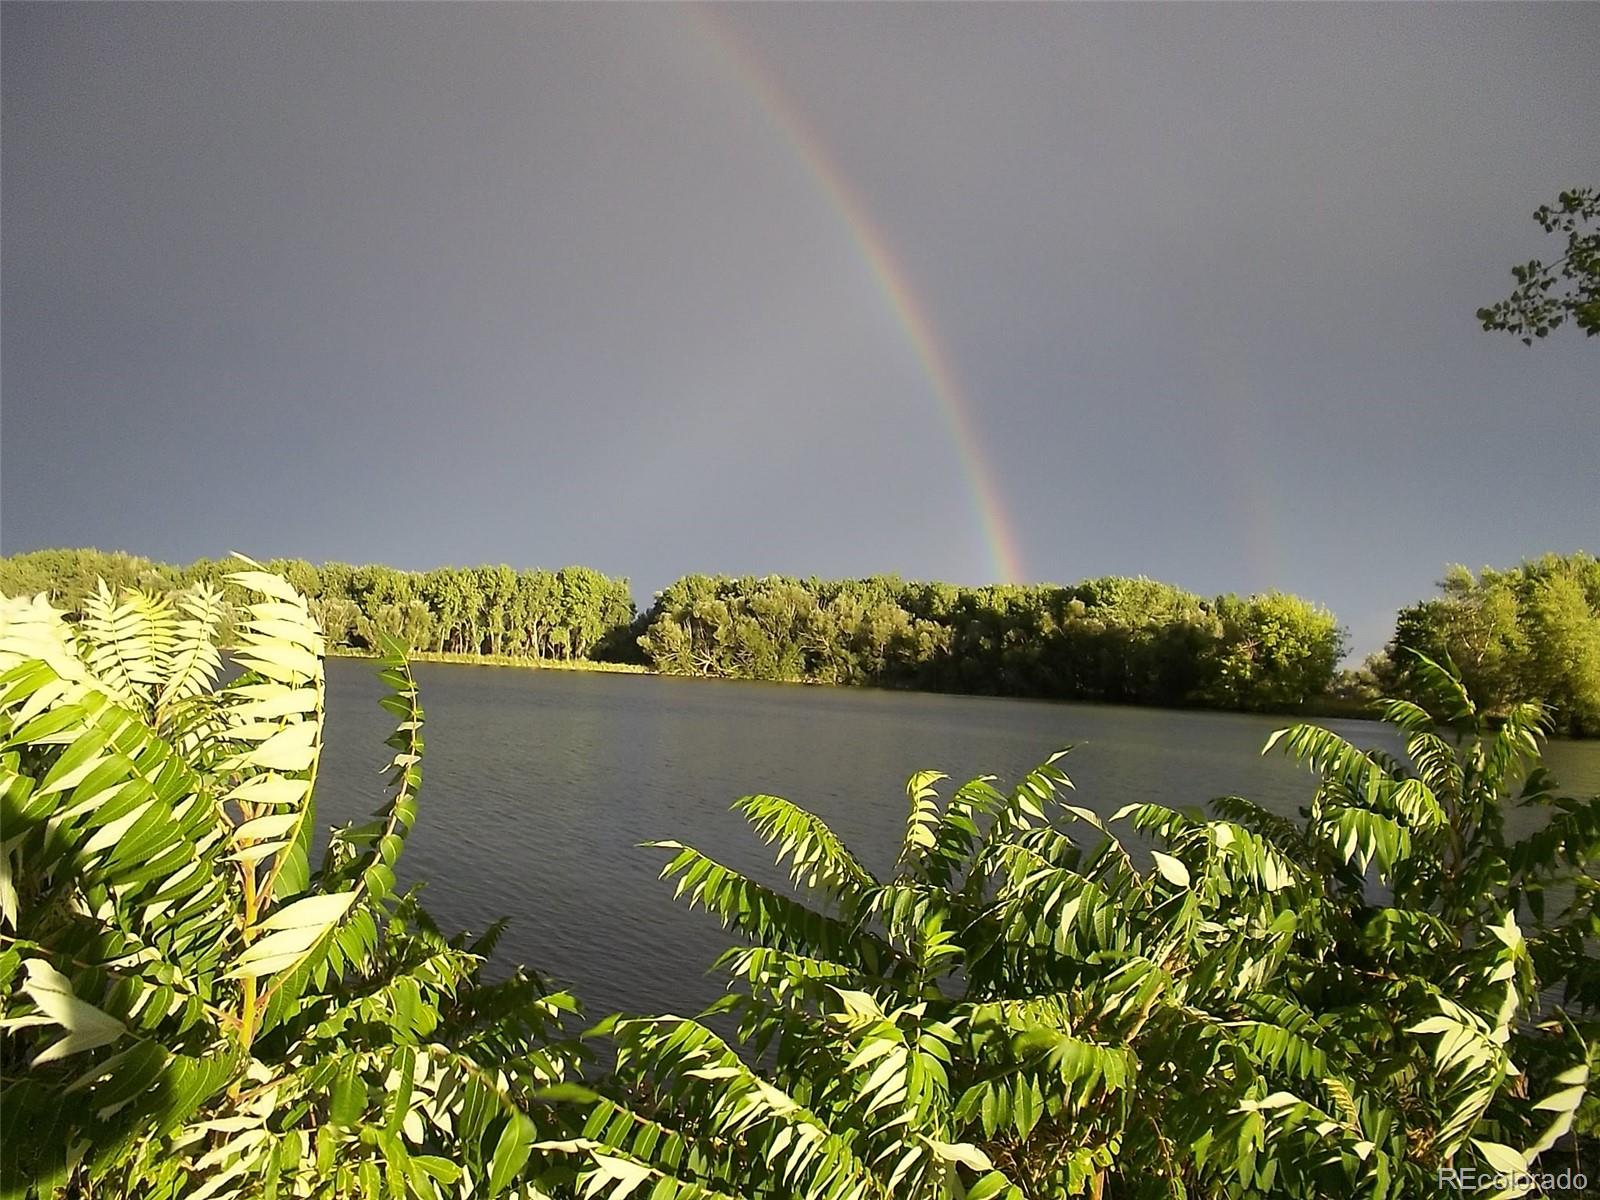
552,284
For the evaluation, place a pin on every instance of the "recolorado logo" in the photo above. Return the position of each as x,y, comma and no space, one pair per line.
1516,1183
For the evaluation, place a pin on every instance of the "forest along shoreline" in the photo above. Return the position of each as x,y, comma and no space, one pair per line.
1530,632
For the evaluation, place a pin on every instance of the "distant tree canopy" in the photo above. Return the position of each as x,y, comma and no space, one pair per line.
1123,640
1547,295
1528,633
575,612
1127,640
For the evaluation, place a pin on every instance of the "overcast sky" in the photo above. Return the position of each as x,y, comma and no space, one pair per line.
543,284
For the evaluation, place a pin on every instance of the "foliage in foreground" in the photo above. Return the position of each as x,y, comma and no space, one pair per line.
189,1008
1342,1005
1339,1005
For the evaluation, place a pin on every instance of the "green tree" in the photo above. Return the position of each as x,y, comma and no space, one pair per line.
1273,651
1531,632
497,589
533,609
448,600
338,618
1564,650
1549,295
408,625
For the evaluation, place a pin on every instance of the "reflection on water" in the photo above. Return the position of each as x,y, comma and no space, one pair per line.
538,787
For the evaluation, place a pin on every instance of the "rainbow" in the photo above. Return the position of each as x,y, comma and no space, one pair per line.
999,535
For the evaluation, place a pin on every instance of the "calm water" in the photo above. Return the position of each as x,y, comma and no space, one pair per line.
538,787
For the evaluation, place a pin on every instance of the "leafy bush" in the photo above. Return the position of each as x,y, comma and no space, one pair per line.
1345,1004
190,1009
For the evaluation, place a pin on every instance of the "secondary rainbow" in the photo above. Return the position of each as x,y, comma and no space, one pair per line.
998,533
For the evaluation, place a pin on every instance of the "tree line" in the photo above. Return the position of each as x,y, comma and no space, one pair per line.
1112,639
572,613
1531,632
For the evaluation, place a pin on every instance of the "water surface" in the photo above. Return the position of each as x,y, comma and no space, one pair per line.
539,785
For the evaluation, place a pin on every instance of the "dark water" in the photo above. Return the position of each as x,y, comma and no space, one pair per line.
538,786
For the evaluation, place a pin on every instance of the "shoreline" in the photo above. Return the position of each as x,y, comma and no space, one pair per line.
1324,707
501,660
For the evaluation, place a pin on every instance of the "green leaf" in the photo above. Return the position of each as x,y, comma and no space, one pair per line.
1502,1158
349,1099
1171,869
510,1152
291,932
87,1027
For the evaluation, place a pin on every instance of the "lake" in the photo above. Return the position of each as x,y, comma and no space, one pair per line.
539,785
